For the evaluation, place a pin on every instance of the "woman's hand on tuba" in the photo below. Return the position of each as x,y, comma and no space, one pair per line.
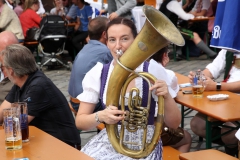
161,89
111,115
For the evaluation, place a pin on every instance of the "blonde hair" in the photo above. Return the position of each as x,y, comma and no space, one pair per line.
28,4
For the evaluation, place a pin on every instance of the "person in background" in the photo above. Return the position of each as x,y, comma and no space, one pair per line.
59,9
94,51
50,111
9,3
9,21
41,9
6,38
19,8
67,5
188,5
226,62
120,8
121,32
172,9
211,13
84,15
72,13
29,18
178,138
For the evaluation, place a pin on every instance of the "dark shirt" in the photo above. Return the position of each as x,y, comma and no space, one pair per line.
172,16
49,107
190,6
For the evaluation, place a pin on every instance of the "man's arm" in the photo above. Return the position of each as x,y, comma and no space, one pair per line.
7,104
232,86
77,25
72,13
128,6
202,13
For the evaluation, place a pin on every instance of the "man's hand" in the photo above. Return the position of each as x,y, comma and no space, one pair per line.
113,15
102,11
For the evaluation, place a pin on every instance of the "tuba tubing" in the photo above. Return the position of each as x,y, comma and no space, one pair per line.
156,33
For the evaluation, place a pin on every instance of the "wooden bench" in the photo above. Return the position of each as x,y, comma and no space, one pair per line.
169,153
210,154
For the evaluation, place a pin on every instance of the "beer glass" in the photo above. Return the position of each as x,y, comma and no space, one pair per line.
24,119
199,84
12,127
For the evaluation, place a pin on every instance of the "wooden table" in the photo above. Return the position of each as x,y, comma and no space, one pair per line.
196,19
41,146
170,153
71,24
225,110
210,154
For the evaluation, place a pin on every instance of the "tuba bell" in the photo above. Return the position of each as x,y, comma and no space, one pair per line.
156,33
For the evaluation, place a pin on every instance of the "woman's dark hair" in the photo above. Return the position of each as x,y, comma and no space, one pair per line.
158,56
124,21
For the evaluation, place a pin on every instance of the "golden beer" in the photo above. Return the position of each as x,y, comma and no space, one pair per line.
13,143
197,90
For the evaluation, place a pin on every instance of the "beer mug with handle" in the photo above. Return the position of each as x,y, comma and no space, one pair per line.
23,119
199,84
12,127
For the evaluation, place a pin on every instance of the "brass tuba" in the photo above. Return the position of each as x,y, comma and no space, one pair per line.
156,33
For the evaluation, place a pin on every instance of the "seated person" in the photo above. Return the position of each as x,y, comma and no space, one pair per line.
120,8
181,139
49,112
59,9
121,33
231,83
172,9
29,18
9,21
6,38
67,5
41,9
84,15
93,52
188,5
19,8
72,13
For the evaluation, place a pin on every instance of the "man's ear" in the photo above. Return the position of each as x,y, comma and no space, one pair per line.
104,35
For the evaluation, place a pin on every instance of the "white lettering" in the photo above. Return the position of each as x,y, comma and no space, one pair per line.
216,32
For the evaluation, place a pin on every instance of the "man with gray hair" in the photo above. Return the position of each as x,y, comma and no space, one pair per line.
6,38
48,109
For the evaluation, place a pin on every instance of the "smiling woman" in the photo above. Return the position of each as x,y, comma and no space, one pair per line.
121,33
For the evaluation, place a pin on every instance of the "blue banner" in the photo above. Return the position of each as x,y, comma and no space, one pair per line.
226,30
